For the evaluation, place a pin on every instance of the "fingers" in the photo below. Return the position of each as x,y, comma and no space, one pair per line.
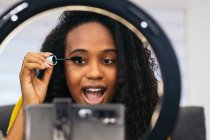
47,75
34,61
33,88
37,58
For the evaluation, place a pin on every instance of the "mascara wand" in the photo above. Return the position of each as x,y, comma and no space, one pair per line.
54,60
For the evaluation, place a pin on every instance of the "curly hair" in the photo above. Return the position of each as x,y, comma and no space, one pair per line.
136,84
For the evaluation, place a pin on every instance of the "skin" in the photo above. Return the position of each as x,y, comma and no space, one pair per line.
33,89
98,65
97,69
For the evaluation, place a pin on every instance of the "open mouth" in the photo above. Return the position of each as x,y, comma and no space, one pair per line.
93,95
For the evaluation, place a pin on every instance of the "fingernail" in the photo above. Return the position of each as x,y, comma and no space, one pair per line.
42,65
48,53
46,64
49,62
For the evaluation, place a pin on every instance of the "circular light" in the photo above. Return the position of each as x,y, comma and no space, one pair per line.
144,24
14,18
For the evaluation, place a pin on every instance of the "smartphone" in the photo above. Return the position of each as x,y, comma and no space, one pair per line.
93,122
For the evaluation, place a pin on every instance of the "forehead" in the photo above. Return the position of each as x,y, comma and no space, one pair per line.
89,34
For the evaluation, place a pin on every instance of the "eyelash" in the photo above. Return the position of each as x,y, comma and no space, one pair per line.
111,61
76,60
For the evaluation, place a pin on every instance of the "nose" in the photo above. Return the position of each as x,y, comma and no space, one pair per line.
94,71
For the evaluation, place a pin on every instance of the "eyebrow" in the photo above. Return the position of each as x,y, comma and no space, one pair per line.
78,50
85,51
110,50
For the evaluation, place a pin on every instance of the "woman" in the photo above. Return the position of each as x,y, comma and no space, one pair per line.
107,64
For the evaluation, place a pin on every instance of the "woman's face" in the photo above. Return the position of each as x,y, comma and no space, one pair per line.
91,75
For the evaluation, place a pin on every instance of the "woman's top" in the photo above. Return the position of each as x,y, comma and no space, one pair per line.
14,114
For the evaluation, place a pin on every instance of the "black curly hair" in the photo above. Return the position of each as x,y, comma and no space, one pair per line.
136,85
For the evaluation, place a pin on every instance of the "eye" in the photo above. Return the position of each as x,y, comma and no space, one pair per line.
78,60
108,61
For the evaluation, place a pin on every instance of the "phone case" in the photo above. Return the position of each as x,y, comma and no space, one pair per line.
91,122
38,122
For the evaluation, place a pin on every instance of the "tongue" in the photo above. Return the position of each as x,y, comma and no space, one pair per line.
92,96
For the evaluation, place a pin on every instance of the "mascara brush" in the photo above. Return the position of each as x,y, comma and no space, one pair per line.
54,60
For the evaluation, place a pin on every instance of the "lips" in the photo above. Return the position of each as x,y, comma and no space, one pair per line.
93,95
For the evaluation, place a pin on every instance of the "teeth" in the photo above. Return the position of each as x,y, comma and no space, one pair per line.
94,89
93,95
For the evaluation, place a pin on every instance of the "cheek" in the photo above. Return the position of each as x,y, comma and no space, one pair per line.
73,78
112,76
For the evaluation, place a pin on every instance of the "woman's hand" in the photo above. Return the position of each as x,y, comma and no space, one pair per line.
34,89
